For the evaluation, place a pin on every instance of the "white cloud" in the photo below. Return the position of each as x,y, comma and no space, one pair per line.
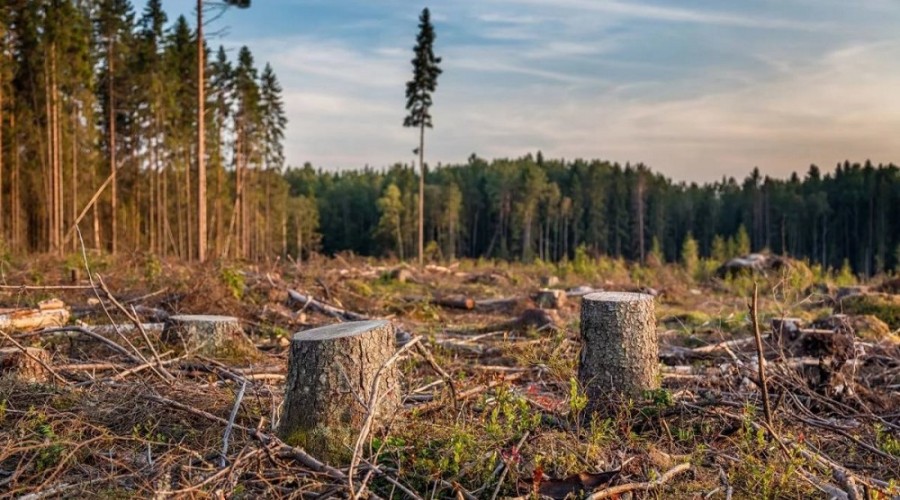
565,77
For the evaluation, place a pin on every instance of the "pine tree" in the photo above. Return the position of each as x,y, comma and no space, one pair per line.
201,123
246,154
221,99
390,207
418,103
690,257
114,23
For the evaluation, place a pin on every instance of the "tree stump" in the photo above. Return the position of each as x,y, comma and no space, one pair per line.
331,372
550,299
549,281
619,351
15,363
219,337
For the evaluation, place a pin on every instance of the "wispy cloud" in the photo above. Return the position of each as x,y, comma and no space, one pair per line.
672,14
695,92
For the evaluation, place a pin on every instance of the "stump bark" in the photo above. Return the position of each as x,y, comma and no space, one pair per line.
15,363
620,351
219,337
331,375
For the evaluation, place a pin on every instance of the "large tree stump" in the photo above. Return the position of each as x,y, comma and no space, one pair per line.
26,367
219,337
331,372
619,351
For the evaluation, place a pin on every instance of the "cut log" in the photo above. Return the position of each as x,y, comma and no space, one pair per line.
550,299
219,337
25,367
537,319
450,302
620,351
49,314
307,301
501,304
331,376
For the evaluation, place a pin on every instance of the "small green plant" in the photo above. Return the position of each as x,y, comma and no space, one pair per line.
845,276
233,280
577,399
661,398
152,269
886,441
49,454
510,417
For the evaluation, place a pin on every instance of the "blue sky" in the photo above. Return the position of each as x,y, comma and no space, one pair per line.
694,89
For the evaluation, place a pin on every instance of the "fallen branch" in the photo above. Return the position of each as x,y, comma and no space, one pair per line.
321,307
615,491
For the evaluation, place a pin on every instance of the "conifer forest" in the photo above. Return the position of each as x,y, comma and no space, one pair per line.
190,310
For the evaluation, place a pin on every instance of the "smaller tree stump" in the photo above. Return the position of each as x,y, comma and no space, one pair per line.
17,364
549,281
550,299
619,351
331,373
219,337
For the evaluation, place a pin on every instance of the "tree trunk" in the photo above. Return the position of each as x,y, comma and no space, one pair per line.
422,195
201,162
332,373
220,337
112,152
620,352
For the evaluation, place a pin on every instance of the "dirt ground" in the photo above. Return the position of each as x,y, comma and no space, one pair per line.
497,412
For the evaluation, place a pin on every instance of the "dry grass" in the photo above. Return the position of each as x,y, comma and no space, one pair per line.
519,418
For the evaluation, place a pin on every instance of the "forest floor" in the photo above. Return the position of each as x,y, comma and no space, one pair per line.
133,417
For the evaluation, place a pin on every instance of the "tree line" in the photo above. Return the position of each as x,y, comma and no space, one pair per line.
535,208
99,121
99,111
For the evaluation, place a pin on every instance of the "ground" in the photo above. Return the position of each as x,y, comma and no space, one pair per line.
107,425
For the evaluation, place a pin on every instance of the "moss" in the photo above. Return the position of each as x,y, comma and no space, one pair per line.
883,306
685,319
332,445
869,327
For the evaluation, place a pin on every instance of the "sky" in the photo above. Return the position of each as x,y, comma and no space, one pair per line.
696,90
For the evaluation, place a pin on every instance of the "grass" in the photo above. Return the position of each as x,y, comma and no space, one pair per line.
528,419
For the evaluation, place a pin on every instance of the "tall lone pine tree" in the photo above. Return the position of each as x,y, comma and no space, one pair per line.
418,103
